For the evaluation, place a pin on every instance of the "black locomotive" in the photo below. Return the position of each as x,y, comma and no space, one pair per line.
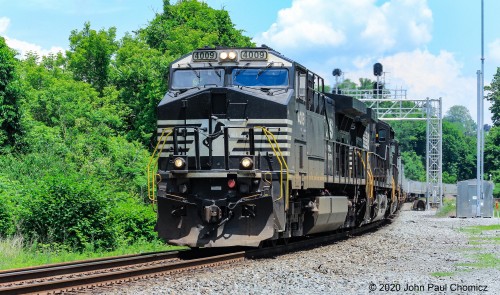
252,149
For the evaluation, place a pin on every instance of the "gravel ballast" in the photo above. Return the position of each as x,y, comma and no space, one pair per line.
416,254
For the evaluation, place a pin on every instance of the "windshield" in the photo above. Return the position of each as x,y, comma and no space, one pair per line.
189,78
267,77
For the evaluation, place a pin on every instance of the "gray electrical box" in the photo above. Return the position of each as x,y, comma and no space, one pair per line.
469,204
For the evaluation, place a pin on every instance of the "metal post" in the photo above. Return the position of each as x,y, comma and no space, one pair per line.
480,121
427,153
482,99
478,145
440,153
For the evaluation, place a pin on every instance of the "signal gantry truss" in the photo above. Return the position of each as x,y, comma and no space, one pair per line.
393,105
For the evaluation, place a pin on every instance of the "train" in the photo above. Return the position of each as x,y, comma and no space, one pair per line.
251,150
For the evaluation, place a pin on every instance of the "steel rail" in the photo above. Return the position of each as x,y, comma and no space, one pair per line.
82,266
71,284
86,280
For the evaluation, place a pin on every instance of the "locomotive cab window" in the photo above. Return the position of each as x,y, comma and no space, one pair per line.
189,78
267,77
300,84
382,134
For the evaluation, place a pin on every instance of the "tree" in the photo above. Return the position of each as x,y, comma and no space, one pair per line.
191,24
90,55
494,97
460,116
10,128
365,84
413,166
492,140
140,75
458,150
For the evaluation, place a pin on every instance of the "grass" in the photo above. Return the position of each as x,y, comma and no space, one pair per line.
469,249
483,260
478,229
481,235
448,208
16,253
440,274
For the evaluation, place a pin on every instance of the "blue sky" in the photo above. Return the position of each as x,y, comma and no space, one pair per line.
430,47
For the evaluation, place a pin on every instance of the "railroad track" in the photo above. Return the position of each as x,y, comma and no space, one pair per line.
85,275
314,241
71,277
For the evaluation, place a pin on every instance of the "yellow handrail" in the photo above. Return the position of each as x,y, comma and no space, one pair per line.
369,175
151,171
393,196
281,160
370,172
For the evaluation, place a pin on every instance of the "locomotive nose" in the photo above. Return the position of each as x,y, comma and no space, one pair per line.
212,214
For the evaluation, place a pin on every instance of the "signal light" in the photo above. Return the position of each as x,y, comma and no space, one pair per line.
231,183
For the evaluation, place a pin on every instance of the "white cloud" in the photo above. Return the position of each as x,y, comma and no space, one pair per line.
4,24
426,75
362,32
494,50
350,25
23,47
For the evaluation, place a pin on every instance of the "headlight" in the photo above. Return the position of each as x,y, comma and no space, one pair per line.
232,55
246,163
179,163
223,55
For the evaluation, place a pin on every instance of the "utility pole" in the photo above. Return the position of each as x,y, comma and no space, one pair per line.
480,122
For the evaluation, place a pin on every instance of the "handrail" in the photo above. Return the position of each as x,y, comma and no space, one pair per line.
393,184
154,159
370,172
281,160
369,177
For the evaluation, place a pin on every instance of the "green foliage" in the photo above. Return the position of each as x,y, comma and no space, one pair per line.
365,83
140,76
414,167
494,97
459,150
347,84
492,157
411,136
68,209
460,117
449,207
10,128
191,24
135,221
492,140
6,219
90,55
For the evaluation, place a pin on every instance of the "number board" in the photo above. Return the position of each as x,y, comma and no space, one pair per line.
253,55
205,55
